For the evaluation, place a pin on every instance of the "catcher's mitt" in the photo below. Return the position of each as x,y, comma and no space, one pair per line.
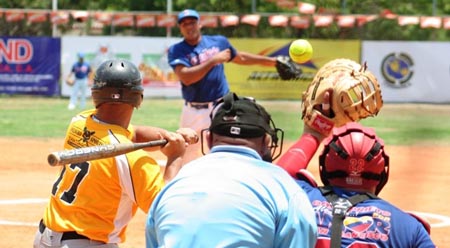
287,69
354,94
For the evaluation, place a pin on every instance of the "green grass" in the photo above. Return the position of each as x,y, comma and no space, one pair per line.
410,124
397,124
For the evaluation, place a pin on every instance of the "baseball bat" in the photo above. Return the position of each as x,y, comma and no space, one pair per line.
96,152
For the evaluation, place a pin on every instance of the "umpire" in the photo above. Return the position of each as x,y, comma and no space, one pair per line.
231,197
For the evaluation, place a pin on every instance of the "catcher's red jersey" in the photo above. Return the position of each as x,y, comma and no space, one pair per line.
98,198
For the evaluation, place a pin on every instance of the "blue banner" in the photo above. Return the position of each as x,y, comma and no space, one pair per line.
30,65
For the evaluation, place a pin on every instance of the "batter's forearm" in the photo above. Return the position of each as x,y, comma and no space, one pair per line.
299,154
148,133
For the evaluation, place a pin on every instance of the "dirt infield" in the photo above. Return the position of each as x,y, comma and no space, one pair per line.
418,182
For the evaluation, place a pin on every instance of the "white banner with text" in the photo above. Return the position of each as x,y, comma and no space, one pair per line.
410,71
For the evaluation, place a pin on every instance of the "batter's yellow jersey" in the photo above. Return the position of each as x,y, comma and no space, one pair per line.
98,198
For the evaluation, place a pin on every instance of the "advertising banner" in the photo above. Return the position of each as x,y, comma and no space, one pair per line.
263,82
30,66
149,54
410,71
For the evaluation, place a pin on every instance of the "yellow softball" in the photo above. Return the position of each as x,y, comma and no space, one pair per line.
300,51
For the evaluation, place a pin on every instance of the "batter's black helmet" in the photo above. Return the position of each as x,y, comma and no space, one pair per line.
117,80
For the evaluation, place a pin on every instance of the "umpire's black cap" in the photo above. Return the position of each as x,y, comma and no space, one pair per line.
240,117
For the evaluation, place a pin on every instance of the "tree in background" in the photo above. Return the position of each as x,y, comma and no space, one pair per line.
380,29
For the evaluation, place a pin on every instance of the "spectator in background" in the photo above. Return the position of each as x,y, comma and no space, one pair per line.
78,79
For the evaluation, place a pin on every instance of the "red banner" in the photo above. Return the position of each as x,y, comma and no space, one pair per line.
323,20
229,20
430,22
278,20
301,22
407,20
14,15
446,23
103,17
346,21
59,17
285,3
251,19
363,19
306,8
166,21
123,20
209,21
37,16
144,20
80,15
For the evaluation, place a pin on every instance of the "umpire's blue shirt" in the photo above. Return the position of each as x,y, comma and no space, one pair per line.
231,198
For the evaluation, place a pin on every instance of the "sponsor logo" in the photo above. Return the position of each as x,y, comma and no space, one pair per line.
397,69
322,124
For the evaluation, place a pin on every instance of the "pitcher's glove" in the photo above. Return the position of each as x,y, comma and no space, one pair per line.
70,81
354,94
287,69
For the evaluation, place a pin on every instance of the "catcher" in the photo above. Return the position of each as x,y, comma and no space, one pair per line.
353,165
198,61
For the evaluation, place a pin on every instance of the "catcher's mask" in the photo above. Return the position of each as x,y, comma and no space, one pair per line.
242,117
354,157
117,80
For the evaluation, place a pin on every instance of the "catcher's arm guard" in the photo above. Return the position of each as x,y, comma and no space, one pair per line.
354,91
287,69
299,154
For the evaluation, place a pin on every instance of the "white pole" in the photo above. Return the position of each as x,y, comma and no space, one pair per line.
54,8
434,8
169,12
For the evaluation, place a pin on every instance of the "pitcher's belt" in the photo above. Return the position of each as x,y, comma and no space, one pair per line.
202,105
66,235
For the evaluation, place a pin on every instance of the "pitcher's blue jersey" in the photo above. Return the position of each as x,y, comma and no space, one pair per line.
184,54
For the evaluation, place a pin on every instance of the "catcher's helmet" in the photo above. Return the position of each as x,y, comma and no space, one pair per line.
117,80
354,157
